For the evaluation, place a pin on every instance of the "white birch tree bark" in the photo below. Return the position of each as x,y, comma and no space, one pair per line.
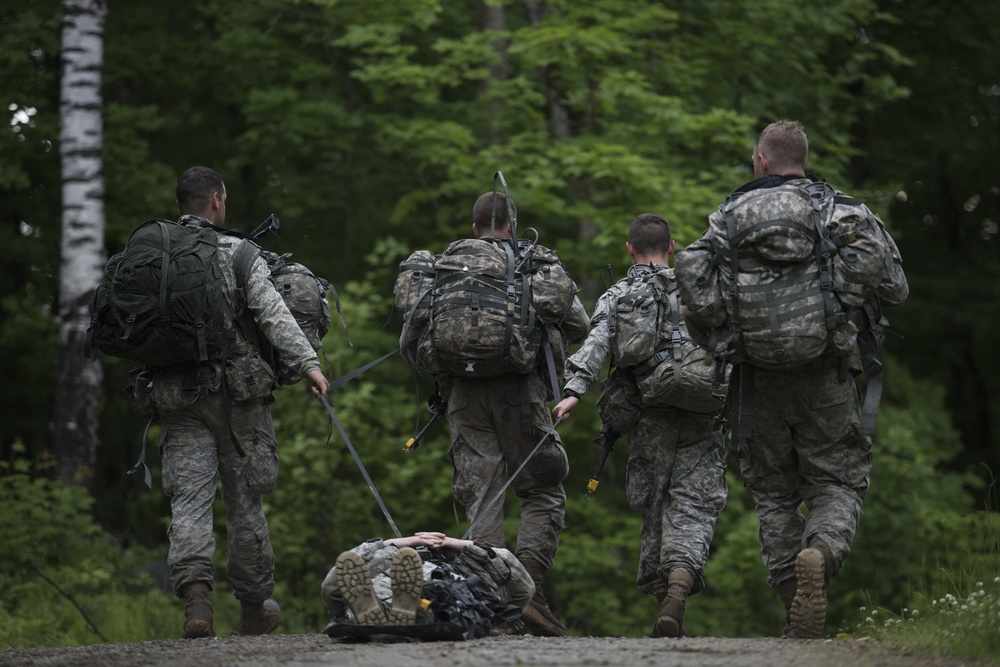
75,416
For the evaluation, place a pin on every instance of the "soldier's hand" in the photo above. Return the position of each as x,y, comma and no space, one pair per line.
564,407
318,383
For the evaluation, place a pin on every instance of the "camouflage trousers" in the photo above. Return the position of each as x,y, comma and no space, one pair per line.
495,424
195,446
805,448
676,481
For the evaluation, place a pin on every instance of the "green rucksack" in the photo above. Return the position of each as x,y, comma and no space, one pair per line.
165,318
160,302
651,345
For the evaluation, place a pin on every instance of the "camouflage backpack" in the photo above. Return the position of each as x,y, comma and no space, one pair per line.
784,270
651,344
303,292
485,313
411,297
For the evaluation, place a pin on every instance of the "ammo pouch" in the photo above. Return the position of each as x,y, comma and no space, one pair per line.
248,376
140,391
619,404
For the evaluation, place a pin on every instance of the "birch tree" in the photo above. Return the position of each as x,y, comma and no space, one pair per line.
75,422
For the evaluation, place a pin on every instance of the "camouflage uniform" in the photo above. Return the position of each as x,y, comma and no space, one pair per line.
495,423
498,567
208,434
676,475
805,444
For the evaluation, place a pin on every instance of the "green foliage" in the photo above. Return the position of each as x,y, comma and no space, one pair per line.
370,128
64,581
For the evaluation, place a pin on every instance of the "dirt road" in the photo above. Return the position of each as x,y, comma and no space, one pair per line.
316,650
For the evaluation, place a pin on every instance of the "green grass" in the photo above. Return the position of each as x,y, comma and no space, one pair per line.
956,611
964,627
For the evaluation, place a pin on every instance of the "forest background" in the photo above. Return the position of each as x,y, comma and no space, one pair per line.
369,127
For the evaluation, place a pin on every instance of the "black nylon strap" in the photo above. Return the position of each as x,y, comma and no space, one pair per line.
361,466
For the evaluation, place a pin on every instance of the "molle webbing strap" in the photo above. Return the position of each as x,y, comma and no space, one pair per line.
675,338
550,362
869,409
508,334
742,378
734,268
164,264
825,249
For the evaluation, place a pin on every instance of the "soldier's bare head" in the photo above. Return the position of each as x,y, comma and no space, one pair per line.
649,235
201,191
782,148
482,215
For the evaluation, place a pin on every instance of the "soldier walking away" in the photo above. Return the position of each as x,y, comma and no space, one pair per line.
676,475
215,426
483,330
803,271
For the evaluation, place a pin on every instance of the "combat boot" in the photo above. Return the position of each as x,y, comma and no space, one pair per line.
406,575
786,591
537,616
259,618
670,621
197,610
813,568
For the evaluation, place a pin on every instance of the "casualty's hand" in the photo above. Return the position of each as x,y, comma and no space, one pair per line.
564,407
318,383
428,539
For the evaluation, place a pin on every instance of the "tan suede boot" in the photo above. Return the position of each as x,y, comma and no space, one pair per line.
670,621
786,591
197,610
537,616
813,569
259,618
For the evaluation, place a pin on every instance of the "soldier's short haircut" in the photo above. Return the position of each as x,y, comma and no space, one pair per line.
649,234
195,188
482,212
786,145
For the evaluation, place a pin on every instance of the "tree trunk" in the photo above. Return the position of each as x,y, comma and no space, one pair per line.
75,416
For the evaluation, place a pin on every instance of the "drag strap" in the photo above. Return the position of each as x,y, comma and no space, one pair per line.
482,511
361,466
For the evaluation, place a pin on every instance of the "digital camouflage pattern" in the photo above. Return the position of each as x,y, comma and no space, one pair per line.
305,294
634,324
651,344
676,471
495,424
676,481
205,435
485,313
195,445
806,444
805,447
497,567
778,269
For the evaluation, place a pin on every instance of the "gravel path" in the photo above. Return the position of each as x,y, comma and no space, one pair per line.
315,650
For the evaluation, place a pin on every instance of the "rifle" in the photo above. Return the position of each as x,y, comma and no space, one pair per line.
270,226
437,407
610,437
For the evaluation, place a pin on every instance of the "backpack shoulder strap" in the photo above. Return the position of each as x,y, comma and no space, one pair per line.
246,253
